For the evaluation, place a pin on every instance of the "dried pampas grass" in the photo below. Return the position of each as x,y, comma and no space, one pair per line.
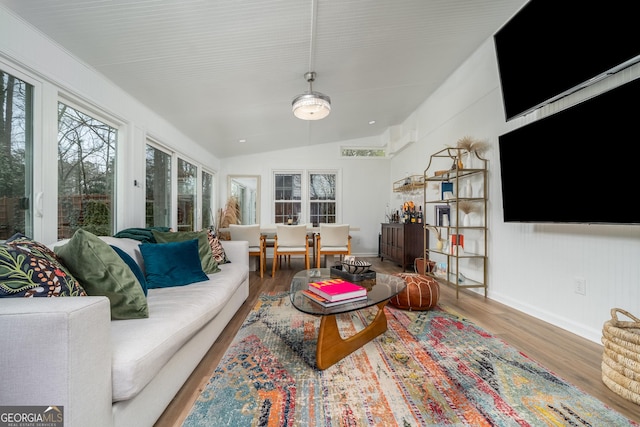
473,145
467,207
434,230
230,214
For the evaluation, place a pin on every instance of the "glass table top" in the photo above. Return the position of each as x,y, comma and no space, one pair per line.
382,288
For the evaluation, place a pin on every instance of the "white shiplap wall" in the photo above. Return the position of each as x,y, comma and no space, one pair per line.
532,267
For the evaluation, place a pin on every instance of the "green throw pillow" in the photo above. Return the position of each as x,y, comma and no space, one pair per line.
172,264
209,264
102,272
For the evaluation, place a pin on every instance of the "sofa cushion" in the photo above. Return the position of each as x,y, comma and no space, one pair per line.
142,347
30,269
209,264
172,264
102,272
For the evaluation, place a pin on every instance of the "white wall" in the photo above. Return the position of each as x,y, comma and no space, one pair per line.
363,185
532,267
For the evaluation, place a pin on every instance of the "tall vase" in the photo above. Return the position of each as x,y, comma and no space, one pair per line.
468,191
469,162
466,220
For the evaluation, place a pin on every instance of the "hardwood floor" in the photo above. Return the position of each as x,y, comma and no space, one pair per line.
570,357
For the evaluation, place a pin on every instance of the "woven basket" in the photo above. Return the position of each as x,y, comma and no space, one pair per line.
621,355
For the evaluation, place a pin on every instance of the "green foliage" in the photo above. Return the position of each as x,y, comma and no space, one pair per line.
96,218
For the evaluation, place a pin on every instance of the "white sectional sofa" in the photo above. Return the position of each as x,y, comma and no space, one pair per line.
68,352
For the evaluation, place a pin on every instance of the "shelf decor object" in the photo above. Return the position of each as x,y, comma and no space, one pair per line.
466,200
408,184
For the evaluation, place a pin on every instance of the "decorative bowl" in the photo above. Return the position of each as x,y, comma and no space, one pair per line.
356,266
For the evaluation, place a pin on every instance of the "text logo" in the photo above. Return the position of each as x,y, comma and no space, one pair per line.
31,416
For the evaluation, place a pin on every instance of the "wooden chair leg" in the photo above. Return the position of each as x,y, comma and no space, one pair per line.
276,259
261,266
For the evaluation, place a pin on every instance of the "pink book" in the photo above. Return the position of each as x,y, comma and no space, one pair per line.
337,289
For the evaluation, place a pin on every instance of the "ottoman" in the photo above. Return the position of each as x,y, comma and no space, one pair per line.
422,292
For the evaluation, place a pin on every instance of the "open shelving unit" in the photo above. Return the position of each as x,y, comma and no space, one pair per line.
408,184
465,173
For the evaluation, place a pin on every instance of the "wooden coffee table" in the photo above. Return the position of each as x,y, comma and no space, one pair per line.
331,346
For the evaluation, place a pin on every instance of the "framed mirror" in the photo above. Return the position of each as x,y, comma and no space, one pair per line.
246,189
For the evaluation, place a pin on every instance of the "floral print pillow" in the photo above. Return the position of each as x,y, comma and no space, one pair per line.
30,269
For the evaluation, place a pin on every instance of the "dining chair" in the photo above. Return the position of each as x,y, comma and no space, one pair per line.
257,242
332,239
290,240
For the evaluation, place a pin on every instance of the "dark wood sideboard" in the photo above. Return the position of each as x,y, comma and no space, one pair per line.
402,243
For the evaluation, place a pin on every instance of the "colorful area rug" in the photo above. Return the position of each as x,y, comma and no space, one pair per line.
429,368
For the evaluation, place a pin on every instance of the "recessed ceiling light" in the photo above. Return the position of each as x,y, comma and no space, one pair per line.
372,122
242,140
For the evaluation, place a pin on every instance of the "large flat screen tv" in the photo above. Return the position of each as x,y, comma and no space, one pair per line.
581,165
551,47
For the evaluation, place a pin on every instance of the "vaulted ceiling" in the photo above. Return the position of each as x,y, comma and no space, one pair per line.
226,70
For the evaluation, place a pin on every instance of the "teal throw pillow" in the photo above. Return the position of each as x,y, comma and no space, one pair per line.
172,264
30,269
209,264
102,272
133,265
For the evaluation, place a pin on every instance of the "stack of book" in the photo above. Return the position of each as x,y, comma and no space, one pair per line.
329,293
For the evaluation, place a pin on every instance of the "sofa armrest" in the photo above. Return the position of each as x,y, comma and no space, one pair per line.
57,352
237,251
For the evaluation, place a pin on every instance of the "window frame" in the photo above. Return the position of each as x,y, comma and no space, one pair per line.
27,192
305,201
275,201
203,215
335,201
150,142
119,161
44,227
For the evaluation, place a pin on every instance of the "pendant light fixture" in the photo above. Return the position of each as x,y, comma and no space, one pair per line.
311,105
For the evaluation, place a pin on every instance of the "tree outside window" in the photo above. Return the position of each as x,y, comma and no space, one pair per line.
322,198
288,197
208,217
86,173
187,180
158,188
16,147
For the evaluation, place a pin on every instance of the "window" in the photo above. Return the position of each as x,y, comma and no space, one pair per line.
288,197
16,146
360,152
322,198
187,188
86,173
158,188
317,195
208,218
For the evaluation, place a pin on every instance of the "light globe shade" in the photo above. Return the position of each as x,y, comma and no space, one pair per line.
311,106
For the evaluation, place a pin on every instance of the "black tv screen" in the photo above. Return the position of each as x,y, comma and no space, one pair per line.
549,47
581,165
